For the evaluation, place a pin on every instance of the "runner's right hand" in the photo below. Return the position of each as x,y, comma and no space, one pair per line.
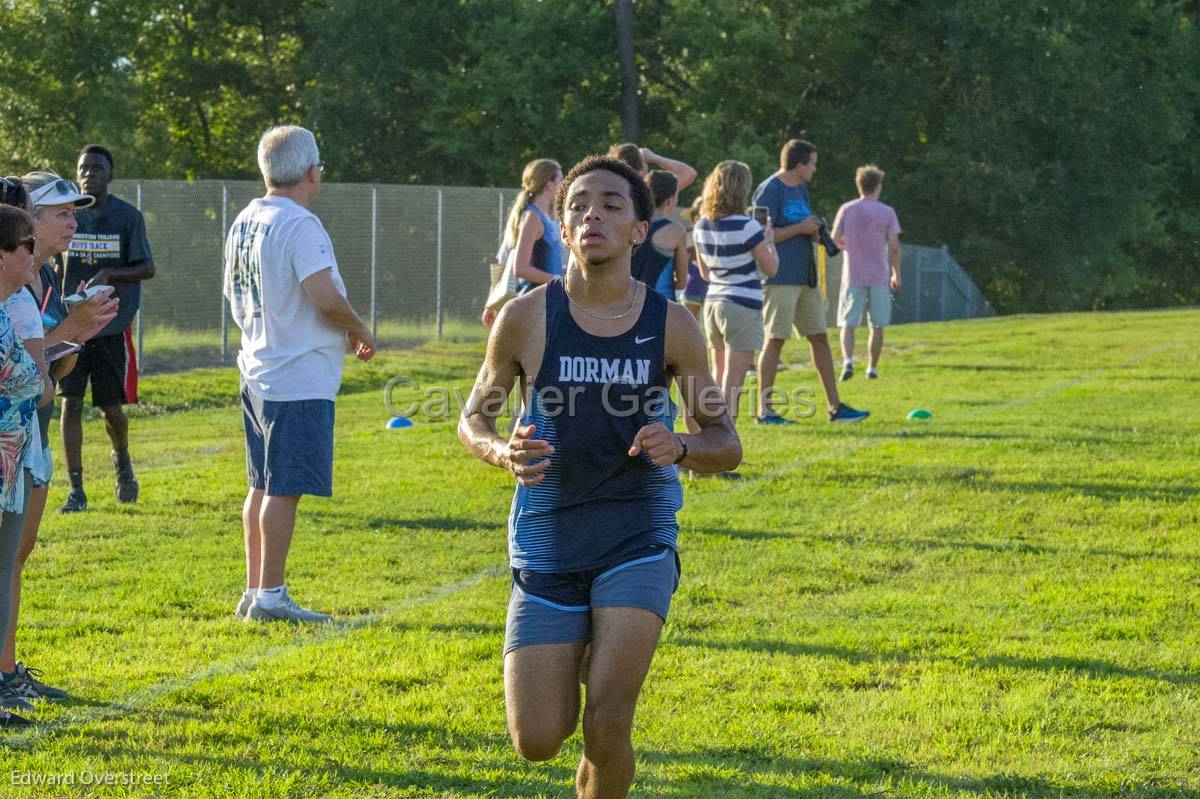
520,453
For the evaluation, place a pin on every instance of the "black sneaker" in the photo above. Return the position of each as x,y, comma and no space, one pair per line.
8,720
847,372
845,414
127,484
27,679
13,696
76,502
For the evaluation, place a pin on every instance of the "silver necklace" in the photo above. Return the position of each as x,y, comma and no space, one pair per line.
636,291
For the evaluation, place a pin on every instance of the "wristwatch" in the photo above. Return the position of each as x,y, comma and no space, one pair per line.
683,454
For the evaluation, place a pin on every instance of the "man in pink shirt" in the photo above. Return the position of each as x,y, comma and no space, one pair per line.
869,232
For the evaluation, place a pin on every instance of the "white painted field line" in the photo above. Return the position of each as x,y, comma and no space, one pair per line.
244,663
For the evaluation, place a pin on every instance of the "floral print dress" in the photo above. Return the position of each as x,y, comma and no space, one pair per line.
20,388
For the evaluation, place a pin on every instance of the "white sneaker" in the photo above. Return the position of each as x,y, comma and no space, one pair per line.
288,611
243,606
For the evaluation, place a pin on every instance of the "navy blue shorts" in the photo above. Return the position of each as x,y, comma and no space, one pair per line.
557,608
289,446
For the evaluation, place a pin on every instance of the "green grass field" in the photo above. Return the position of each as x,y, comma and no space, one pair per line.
998,602
170,349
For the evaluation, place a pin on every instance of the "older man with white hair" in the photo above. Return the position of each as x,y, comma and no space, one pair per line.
289,301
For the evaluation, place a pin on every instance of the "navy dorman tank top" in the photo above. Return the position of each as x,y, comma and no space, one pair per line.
648,261
596,505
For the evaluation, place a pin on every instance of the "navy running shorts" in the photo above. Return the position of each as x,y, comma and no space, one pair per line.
289,445
556,608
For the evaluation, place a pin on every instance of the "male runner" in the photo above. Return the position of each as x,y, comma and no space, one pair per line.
592,529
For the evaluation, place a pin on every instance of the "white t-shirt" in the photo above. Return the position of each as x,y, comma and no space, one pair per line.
26,317
289,352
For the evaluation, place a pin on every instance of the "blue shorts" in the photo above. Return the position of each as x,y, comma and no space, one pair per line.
556,608
289,445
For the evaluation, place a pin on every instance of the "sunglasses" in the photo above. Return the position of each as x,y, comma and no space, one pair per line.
59,186
12,192
29,244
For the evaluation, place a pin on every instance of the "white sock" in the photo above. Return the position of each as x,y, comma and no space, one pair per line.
849,362
271,597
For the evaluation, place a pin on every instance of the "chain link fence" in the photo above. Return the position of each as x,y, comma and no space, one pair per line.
933,288
414,260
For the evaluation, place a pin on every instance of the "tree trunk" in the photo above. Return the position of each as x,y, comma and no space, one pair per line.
629,78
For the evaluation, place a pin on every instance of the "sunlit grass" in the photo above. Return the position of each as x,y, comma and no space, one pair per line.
998,602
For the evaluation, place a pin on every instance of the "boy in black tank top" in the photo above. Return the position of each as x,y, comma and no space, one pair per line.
666,242
592,527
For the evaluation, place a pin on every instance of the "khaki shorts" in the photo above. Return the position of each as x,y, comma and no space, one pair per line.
785,308
731,326
876,301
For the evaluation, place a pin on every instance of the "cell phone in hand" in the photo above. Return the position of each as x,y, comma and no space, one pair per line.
86,294
61,350
761,214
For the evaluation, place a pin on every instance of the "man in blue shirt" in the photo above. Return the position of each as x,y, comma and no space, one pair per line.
792,299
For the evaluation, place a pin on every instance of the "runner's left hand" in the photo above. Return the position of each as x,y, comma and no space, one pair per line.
658,442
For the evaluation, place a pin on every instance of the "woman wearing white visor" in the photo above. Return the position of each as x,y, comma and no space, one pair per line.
42,321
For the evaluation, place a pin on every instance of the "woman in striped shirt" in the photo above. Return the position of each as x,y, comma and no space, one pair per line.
733,251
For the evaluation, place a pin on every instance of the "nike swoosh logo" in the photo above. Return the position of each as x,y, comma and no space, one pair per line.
640,340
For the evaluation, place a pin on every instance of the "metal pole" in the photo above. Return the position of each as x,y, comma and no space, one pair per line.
224,299
439,267
917,286
945,278
374,261
140,304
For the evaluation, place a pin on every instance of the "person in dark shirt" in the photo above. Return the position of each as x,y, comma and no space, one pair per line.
110,248
592,538
661,261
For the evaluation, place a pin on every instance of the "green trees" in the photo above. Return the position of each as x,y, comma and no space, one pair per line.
1051,146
